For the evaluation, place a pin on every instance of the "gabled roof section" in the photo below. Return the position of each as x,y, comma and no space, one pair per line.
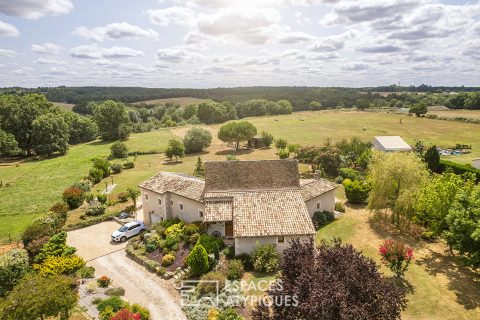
184,185
251,175
391,143
312,188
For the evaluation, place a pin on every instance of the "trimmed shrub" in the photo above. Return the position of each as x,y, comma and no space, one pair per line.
197,260
246,260
265,258
103,165
35,246
322,218
119,150
13,267
56,246
95,210
152,265
95,175
102,198
83,185
349,173
53,266
116,168
115,302
38,229
86,272
117,291
356,191
235,270
209,242
168,260
129,165
339,179
191,229
104,281
74,197
150,247
283,153
211,287
339,206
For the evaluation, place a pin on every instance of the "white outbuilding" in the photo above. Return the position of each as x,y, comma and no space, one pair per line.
390,144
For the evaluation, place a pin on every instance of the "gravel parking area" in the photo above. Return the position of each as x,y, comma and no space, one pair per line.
158,295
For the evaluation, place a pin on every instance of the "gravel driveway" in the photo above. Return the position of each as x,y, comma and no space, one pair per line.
158,295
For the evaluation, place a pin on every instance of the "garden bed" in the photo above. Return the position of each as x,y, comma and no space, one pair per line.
180,257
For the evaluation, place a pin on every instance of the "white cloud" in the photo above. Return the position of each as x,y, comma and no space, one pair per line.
177,55
45,48
23,71
114,31
97,52
7,53
34,9
295,37
49,61
327,45
178,15
8,30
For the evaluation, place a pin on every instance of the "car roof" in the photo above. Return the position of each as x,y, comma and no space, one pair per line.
129,224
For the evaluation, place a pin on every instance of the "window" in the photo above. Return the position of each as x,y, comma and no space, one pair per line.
181,206
281,239
146,196
200,213
159,201
171,202
319,204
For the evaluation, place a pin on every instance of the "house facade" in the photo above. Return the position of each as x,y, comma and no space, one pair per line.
248,202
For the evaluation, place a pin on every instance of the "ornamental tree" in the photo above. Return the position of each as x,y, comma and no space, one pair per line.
196,140
74,197
396,256
432,158
332,281
175,149
36,297
237,132
197,260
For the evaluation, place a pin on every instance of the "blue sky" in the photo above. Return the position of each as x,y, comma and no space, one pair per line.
224,43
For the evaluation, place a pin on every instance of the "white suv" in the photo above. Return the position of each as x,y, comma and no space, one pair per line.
128,230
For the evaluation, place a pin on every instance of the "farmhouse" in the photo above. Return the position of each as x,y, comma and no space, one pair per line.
390,144
243,201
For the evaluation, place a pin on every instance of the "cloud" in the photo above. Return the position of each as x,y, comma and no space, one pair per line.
326,45
115,31
178,15
49,61
176,55
45,48
380,49
252,26
34,9
7,53
23,71
295,37
355,66
8,30
97,52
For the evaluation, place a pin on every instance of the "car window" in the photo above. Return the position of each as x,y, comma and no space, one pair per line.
122,229
132,227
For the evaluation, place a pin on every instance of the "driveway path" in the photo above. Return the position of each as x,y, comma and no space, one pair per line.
158,295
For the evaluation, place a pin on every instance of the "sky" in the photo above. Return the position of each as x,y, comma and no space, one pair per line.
228,43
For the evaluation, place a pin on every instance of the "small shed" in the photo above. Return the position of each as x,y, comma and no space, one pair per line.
255,143
390,144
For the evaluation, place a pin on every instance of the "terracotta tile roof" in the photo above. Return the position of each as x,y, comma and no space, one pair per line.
265,212
251,175
218,210
184,185
312,188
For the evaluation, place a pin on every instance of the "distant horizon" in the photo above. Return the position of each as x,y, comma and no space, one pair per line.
239,43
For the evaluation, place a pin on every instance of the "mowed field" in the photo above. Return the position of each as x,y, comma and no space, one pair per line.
64,106
180,101
473,114
35,185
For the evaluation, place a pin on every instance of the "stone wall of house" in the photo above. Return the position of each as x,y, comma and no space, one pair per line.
324,202
158,207
246,245
217,226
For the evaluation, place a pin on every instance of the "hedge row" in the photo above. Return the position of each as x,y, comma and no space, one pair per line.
458,168
90,222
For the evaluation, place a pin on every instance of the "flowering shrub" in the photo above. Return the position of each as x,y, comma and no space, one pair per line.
397,256
104,281
74,197
126,314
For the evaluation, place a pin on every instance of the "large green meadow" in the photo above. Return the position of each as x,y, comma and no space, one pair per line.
34,185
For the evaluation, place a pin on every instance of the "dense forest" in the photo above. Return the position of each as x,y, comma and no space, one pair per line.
300,97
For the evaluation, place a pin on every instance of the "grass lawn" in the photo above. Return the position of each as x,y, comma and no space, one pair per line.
441,288
35,185
474,114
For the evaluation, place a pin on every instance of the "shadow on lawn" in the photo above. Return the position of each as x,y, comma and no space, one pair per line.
235,153
403,283
464,282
